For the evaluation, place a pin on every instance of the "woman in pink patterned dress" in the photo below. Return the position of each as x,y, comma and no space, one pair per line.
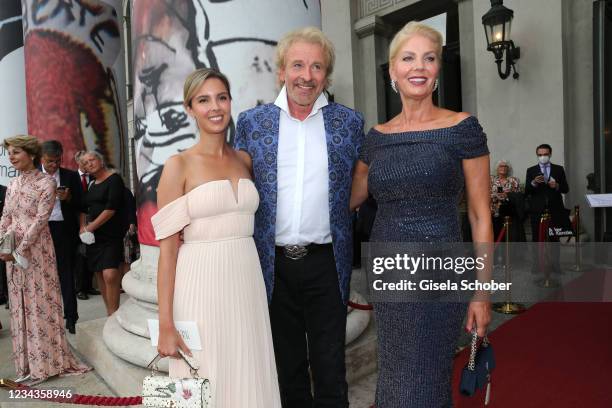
40,349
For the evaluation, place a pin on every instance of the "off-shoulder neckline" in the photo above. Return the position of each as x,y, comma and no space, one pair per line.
461,122
184,196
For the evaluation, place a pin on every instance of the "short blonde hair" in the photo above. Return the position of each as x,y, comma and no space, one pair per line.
195,80
310,35
410,30
28,143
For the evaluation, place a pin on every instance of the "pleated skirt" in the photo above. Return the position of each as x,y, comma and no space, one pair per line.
220,286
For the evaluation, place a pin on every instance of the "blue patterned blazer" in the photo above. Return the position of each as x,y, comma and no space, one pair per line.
257,134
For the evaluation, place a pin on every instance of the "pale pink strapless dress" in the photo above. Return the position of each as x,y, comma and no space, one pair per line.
219,284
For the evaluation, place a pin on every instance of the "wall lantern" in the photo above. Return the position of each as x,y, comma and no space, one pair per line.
497,23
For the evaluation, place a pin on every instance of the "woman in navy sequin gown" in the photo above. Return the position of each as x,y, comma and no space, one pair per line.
416,166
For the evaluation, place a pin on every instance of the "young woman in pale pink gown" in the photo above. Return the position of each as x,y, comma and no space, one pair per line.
213,277
40,349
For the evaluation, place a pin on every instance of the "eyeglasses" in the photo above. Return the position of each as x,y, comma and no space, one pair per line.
545,154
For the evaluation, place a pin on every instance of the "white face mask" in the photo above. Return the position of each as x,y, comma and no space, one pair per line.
543,159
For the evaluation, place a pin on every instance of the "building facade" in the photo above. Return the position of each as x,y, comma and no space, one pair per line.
552,101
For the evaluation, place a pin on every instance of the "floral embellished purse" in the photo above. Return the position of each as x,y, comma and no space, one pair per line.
163,391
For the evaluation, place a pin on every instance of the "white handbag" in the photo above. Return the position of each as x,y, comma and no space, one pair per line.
7,243
163,391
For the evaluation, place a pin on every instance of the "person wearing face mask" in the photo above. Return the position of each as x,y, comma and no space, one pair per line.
544,184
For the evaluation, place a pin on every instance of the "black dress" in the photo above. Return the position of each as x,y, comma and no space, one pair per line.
107,251
417,179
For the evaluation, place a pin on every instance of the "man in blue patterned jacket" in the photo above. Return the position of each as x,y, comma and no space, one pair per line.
303,149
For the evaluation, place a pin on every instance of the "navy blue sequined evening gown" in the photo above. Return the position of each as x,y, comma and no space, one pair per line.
417,178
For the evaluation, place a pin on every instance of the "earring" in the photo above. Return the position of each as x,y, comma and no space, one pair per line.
394,85
435,85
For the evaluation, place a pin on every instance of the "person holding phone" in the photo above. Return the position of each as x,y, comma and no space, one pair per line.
544,185
64,224
501,185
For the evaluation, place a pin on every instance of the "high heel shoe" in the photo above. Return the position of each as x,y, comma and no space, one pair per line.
35,381
24,378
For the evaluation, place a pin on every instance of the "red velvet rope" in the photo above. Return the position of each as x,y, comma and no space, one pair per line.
542,230
541,238
359,306
501,235
104,401
98,400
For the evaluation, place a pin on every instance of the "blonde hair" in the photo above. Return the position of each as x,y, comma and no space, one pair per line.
27,143
310,35
195,80
410,30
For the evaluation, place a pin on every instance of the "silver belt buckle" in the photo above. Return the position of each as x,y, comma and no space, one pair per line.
295,252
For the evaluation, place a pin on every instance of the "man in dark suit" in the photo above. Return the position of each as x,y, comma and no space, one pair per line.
544,184
64,224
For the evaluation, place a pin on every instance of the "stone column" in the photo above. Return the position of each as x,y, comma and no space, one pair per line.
374,37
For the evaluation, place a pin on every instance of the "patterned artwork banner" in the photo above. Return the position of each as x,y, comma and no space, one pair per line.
75,76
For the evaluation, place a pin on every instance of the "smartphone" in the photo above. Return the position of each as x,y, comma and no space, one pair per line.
500,189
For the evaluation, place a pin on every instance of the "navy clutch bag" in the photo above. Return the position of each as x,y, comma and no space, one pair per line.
477,372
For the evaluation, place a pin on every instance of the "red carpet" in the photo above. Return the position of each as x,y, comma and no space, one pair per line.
554,355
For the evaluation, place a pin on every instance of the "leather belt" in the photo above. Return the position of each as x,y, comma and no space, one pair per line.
296,252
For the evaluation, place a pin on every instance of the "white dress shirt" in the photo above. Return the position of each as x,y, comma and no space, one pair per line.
56,214
302,208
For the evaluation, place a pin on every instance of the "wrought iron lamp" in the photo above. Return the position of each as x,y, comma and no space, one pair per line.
497,23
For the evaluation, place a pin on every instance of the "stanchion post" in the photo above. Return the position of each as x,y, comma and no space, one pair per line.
577,236
507,256
508,307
